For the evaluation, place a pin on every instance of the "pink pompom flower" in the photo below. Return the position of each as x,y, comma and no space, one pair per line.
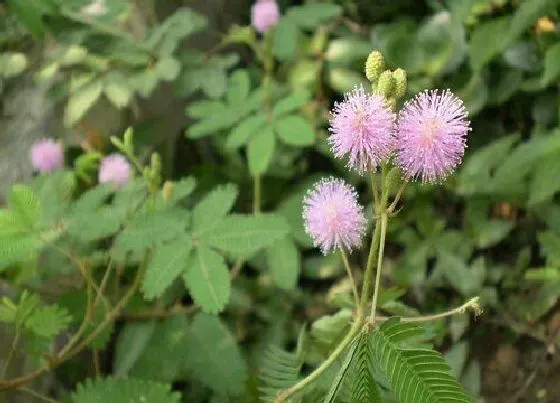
332,215
47,155
264,14
431,136
362,127
115,169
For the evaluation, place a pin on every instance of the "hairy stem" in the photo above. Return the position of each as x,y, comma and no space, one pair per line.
352,281
472,304
393,205
337,352
379,266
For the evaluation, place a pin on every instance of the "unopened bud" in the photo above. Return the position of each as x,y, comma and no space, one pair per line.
392,103
128,140
167,191
399,79
156,163
385,84
374,66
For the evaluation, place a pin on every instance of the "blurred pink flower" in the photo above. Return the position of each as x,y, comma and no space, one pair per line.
115,169
264,14
431,137
47,155
333,217
362,127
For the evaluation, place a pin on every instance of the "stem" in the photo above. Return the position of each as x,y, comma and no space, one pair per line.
38,395
257,194
104,281
366,287
379,266
473,303
299,386
352,281
374,188
397,198
12,351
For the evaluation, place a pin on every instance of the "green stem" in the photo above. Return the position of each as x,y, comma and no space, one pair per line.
301,385
366,287
257,194
38,395
352,281
12,351
379,266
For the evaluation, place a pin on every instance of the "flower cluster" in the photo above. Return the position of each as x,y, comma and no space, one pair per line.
264,15
47,155
115,169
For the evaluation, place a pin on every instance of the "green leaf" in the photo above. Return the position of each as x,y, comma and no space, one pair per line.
342,374
12,64
214,357
241,133
245,234
487,40
181,190
291,103
526,14
415,375
92,199
166,264
95,225
168,69
286,36
551,65
295,131
239,86
14,249
117,90
260,151
278,370
490,232
284,263
214,207
81,100
330,329
131,343
311,15
25,204
29,13
364,387
48,321
124,391
145,231
167,344
207,278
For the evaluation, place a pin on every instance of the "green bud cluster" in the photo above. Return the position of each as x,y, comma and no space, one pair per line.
391,84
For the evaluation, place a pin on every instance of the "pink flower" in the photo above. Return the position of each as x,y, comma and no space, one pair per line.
114,169
431,136
47,155
362,127
333,217
264,14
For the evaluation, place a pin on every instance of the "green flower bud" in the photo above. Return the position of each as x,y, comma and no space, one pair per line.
167,191
374,65
385,84
399,78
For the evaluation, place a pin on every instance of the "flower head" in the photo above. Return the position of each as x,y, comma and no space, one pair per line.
47,155
333,217
431,137
114,169
264,14
362,127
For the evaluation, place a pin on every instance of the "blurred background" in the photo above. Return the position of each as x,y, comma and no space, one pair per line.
186,74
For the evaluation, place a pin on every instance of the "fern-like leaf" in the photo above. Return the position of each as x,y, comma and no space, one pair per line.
364,387
124,391
48,321
279,370
415,375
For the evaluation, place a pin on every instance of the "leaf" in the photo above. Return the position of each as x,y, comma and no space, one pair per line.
214,357
14,249
241,133
25,204
168,69
490,232
260,151
295,131
117,90
364,388
12,64
81,100
341,374
48,321
286,36
551,65
124,391
29,13
92,199
239,86
278,370
181,189
526,14
311,15
166,264
207,278
131,343
167,344
416,375
214,207
284,263
144,231
487,40
95,225
291,103
244,234
330,329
